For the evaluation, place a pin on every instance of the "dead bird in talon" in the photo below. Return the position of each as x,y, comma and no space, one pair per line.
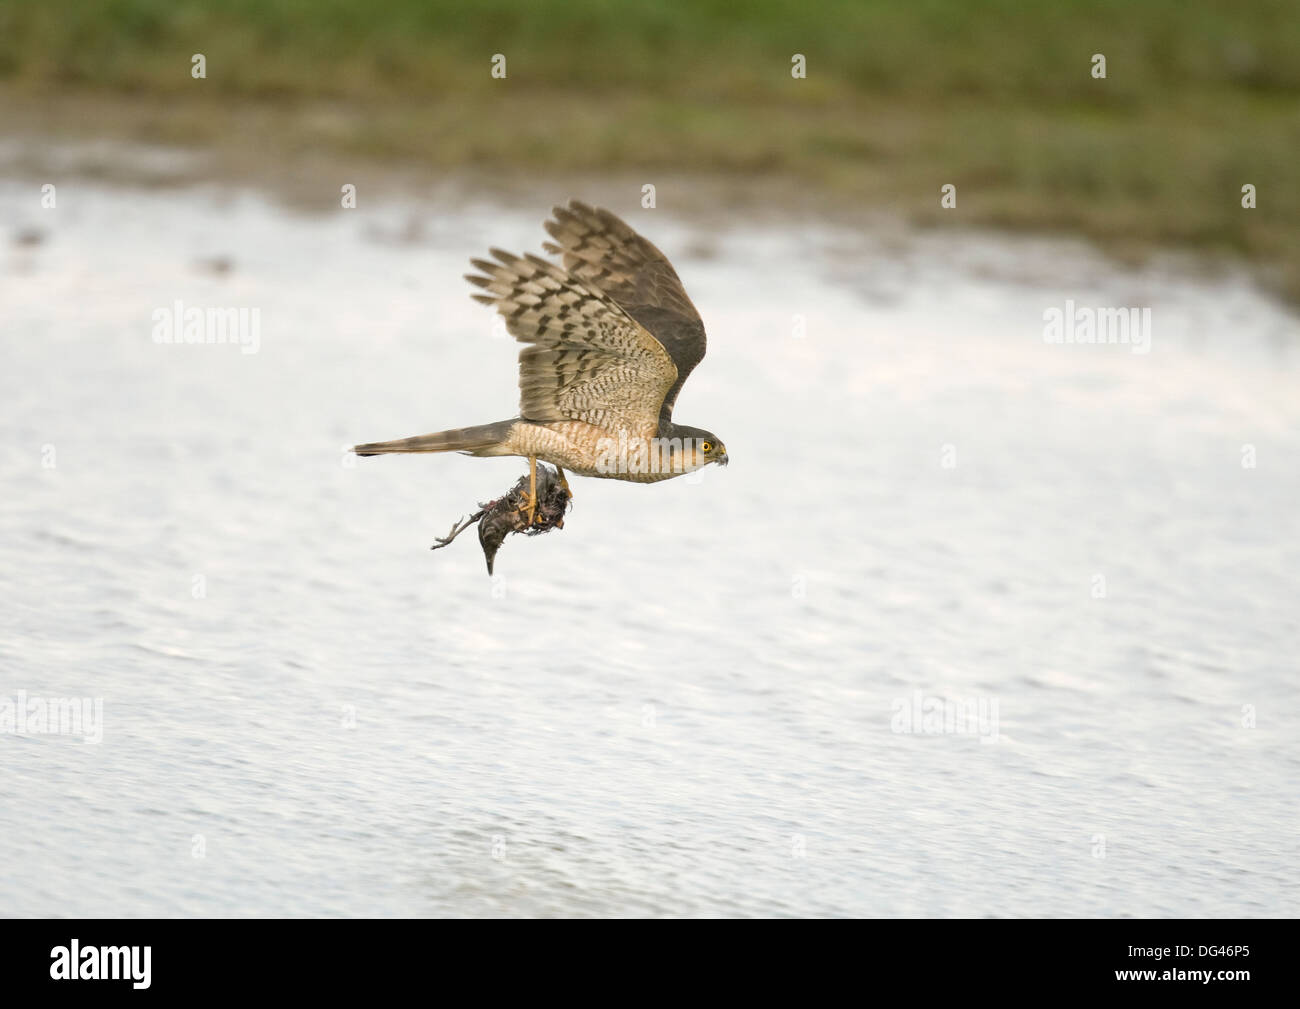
510,514
611,337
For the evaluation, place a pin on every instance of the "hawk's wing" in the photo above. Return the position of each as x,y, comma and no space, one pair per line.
588,360
602,250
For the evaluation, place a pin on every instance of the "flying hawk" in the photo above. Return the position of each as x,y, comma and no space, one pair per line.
611,337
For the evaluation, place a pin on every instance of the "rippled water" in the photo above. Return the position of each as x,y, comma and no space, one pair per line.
686,702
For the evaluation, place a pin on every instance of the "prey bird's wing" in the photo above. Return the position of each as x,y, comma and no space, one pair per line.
603,251
587,358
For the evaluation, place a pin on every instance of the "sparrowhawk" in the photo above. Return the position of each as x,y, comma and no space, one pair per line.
611,337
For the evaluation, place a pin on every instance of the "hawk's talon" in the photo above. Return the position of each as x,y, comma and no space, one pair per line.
532,490
529,508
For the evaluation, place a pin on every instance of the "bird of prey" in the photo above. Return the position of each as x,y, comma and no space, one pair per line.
610,338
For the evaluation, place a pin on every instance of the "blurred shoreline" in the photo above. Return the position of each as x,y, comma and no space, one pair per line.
898,101
117,153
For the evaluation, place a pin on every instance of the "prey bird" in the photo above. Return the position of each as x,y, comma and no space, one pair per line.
610,338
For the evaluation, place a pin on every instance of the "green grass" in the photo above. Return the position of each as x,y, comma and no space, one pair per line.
995,97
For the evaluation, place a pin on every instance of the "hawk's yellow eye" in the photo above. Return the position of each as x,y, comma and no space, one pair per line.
706,446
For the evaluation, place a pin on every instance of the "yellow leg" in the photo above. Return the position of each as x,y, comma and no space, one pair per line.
532,489
563,482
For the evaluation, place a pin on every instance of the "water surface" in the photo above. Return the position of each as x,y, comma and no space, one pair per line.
685,702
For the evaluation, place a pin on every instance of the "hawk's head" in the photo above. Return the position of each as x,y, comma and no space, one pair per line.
700,447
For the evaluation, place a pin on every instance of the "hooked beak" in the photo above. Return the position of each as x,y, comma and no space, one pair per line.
722,460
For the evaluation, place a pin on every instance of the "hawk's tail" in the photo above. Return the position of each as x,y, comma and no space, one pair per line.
478,440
